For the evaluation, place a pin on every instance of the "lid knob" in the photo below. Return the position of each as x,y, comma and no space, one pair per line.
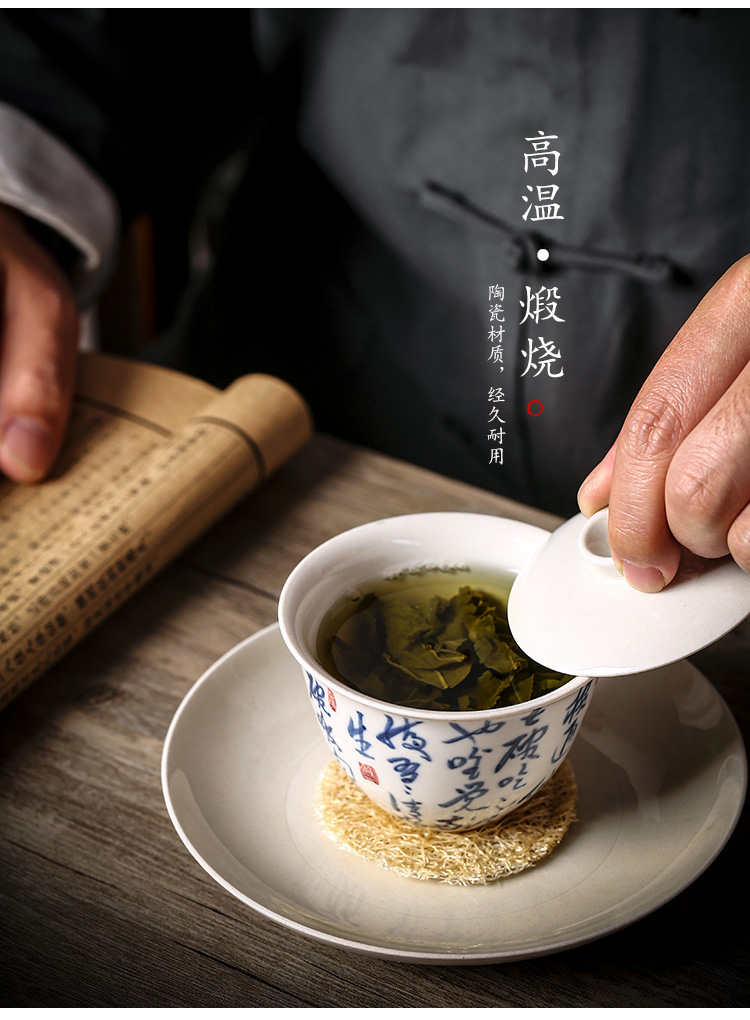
593,545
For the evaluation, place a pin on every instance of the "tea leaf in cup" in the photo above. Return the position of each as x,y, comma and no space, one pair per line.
435,652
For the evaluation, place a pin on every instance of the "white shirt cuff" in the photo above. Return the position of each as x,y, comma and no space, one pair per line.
41,177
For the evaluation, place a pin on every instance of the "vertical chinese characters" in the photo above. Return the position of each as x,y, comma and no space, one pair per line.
540,204
496,396
541,356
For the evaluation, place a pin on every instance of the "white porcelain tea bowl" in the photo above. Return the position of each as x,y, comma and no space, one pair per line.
448,770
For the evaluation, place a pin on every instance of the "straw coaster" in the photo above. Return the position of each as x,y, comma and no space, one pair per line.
472,857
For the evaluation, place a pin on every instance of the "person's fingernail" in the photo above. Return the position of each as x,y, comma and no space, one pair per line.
646,579
26,449
586,504
588,507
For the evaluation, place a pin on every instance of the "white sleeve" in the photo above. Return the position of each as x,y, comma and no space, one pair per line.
41,177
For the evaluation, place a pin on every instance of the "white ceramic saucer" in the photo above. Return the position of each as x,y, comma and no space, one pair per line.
661,771
572,611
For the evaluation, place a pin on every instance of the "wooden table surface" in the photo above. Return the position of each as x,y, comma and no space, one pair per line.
102,905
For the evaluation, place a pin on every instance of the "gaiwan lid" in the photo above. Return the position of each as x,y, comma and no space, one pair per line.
571,610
